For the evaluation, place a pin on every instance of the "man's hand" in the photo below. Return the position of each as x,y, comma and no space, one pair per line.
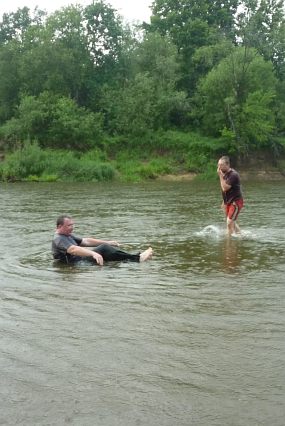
113,243
98,258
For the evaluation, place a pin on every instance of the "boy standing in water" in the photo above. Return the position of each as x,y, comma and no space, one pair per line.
231,193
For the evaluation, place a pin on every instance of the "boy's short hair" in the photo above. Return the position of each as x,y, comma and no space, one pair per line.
225,159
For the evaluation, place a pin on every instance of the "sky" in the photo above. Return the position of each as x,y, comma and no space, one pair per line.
131,10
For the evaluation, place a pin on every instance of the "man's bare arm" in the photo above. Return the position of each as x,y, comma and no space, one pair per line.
84,252
93,242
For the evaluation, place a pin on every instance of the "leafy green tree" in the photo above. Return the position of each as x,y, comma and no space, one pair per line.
9,80
134,109
180,18
150,100
280,110
14,26
234,98
87,45
261,24
137,109
157,56
73,52
193,24
257,121
57,60
107,43
207,57
104,32
54,121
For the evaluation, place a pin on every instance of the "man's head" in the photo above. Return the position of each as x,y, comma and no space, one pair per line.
64,225
224,164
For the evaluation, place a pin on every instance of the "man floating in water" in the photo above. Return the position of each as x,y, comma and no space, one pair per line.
69,248
231,193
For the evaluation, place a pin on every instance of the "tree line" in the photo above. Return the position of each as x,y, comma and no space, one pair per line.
82,79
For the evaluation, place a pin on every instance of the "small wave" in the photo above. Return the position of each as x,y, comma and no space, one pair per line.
245,235
261,235
212,231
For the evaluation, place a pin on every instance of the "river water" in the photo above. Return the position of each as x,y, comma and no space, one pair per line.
193,337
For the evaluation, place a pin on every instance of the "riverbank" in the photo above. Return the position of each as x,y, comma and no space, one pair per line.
32,163
246,175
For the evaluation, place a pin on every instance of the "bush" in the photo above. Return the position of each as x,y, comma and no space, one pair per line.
154,168
92,171
135,170
55,122
34,164
68,167
30,160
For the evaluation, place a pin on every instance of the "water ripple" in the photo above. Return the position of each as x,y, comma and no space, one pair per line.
195,336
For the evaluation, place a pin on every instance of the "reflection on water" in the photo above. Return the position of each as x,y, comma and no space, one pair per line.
227,249
231,258
195,336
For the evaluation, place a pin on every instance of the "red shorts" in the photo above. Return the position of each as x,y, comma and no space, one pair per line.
233,209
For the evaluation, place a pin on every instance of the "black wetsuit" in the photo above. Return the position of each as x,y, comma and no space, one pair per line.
61,243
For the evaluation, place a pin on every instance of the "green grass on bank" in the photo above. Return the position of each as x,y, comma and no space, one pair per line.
119,158
33,163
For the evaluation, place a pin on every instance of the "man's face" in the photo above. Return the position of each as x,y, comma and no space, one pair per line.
224,167
66,228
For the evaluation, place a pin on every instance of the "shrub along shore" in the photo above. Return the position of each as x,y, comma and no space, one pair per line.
167,154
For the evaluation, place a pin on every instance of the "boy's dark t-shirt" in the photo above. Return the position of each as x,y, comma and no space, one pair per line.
60,245
234,193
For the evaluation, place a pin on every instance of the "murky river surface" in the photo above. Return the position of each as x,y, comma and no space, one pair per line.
193,337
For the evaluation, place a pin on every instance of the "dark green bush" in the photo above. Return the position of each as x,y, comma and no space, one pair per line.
30,160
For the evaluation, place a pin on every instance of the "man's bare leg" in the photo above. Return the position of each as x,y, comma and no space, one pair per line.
145,255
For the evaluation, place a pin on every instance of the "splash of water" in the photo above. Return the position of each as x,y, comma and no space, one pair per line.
219,232
213,231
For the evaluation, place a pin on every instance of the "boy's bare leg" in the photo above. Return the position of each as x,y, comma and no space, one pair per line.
237,228
230,227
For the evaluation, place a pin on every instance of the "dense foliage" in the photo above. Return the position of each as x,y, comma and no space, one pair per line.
80,79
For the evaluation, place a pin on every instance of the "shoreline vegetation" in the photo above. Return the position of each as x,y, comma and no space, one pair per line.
185,157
